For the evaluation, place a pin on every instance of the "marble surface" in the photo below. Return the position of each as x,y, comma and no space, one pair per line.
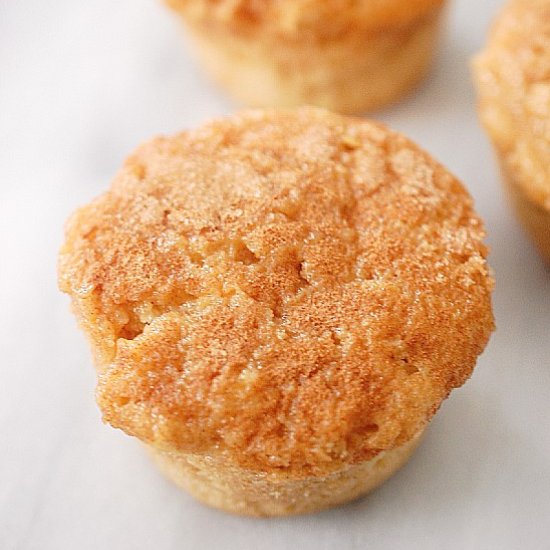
81,84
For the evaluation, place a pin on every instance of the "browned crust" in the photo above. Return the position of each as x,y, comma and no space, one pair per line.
513,80
304,19
291,290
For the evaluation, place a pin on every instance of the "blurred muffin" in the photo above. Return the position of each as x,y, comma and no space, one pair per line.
513,81
278,303
348,56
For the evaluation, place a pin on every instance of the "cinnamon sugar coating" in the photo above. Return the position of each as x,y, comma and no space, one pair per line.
513,80
321,19
292,290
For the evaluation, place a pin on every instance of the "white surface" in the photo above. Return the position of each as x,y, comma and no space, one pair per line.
81,84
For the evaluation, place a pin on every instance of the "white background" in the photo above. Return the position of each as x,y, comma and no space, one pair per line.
81,84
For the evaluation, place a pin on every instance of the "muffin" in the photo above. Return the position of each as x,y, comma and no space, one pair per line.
278,303
348,56
513,81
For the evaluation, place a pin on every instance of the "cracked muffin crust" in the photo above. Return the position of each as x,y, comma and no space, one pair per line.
291,292
513,81
348,56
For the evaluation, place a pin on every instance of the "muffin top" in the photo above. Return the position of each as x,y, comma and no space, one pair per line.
305,18
513,75
294,290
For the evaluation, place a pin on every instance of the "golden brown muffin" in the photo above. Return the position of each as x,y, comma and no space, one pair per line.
278,303
513,80
348,56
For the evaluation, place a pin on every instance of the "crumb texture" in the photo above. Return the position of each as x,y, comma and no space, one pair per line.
513,76
320,19
292,290
247,492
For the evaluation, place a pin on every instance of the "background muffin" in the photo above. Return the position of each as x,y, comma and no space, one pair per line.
278,303
346,56
513,80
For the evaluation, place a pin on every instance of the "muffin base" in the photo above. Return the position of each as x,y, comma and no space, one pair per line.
533,216
355,73
245,492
